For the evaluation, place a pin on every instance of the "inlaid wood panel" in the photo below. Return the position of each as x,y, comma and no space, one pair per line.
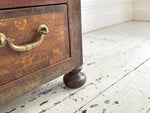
22,25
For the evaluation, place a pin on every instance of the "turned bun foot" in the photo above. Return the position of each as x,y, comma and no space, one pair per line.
75,78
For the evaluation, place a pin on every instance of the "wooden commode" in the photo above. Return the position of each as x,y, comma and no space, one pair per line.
40,40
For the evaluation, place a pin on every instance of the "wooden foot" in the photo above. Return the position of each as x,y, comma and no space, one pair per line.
75,78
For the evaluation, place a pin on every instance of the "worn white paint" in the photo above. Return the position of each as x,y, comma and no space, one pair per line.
101,13
130,95
141,10
116,62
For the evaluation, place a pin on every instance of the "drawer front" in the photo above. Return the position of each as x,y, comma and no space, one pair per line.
21,25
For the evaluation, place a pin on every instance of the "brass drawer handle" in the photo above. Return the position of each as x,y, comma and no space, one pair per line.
42,32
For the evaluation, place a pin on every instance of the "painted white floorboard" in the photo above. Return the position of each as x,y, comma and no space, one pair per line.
112,58
130,95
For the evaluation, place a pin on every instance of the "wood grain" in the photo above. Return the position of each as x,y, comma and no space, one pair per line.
74,8
17,3
54,48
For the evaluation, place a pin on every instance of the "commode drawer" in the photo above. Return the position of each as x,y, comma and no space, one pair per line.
22,25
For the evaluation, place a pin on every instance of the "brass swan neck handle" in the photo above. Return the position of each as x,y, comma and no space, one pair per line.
42,32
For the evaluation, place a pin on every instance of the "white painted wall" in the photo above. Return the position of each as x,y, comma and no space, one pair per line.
141,10
101,13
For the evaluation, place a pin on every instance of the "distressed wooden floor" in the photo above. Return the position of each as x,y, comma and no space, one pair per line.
117,65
